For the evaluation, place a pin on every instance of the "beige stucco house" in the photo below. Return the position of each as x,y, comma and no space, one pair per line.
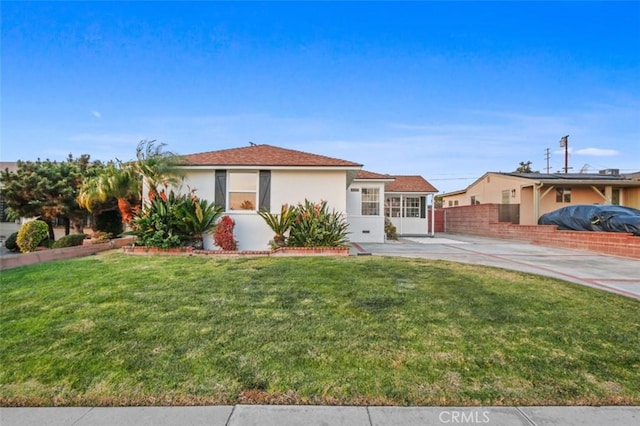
244,180
539,193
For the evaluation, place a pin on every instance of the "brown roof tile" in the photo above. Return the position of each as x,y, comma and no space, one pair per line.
413,183
364,174
264,155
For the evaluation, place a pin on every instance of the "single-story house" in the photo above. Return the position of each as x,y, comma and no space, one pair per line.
540,193
247,179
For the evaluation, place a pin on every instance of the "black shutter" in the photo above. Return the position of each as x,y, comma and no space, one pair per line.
423,207
264,189
221,189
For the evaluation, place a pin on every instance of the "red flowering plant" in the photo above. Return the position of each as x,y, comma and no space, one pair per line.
223,237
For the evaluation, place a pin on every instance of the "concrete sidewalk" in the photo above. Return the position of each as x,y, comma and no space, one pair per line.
610,273
281,415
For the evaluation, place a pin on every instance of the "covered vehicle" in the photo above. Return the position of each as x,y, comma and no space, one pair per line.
603,218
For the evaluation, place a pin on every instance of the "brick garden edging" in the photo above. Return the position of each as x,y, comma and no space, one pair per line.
482,220
22,259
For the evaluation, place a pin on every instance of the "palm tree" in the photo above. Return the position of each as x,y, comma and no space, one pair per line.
113,182
124,180
156,166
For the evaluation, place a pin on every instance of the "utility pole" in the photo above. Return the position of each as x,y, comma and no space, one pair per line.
547,156
564,143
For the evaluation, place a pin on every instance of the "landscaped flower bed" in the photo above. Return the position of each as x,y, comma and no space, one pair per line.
309,229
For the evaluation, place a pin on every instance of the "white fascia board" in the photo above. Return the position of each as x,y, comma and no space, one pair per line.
374,180
264,167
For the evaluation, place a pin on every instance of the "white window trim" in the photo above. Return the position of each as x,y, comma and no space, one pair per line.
377,201
256,173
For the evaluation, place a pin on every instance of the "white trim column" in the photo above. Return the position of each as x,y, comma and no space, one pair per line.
433,216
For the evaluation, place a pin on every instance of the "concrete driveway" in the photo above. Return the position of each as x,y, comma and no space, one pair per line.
614,274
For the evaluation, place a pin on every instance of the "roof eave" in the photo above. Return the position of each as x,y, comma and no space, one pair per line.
570,182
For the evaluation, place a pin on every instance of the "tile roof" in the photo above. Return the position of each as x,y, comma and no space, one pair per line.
409,183
264,155
364,174
566,176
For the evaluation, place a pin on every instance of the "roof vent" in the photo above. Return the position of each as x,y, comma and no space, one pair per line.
609,172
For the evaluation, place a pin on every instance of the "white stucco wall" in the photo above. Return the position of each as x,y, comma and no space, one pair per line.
364,229
202,181
250,232
293,187
287,186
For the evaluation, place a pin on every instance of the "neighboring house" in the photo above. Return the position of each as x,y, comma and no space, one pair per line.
244,180
539,193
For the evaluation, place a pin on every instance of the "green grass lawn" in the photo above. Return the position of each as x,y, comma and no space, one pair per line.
134,330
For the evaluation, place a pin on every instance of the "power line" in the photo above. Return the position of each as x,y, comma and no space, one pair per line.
458,178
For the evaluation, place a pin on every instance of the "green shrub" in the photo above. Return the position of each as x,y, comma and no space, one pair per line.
170,220
159,225
197,217
109,222
316,226
279,223
69,241
11,243
31,235
390,229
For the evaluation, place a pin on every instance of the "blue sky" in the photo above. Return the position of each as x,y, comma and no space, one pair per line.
448,90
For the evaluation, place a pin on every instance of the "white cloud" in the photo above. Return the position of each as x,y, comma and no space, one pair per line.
96,114
597,152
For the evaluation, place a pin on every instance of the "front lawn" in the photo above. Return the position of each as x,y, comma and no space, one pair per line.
134,330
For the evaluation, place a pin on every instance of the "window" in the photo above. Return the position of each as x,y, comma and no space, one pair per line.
243,190
474,200
563,195
455,203
412,207
392,207
615,197
370,201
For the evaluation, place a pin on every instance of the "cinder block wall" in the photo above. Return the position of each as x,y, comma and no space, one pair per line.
482,220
